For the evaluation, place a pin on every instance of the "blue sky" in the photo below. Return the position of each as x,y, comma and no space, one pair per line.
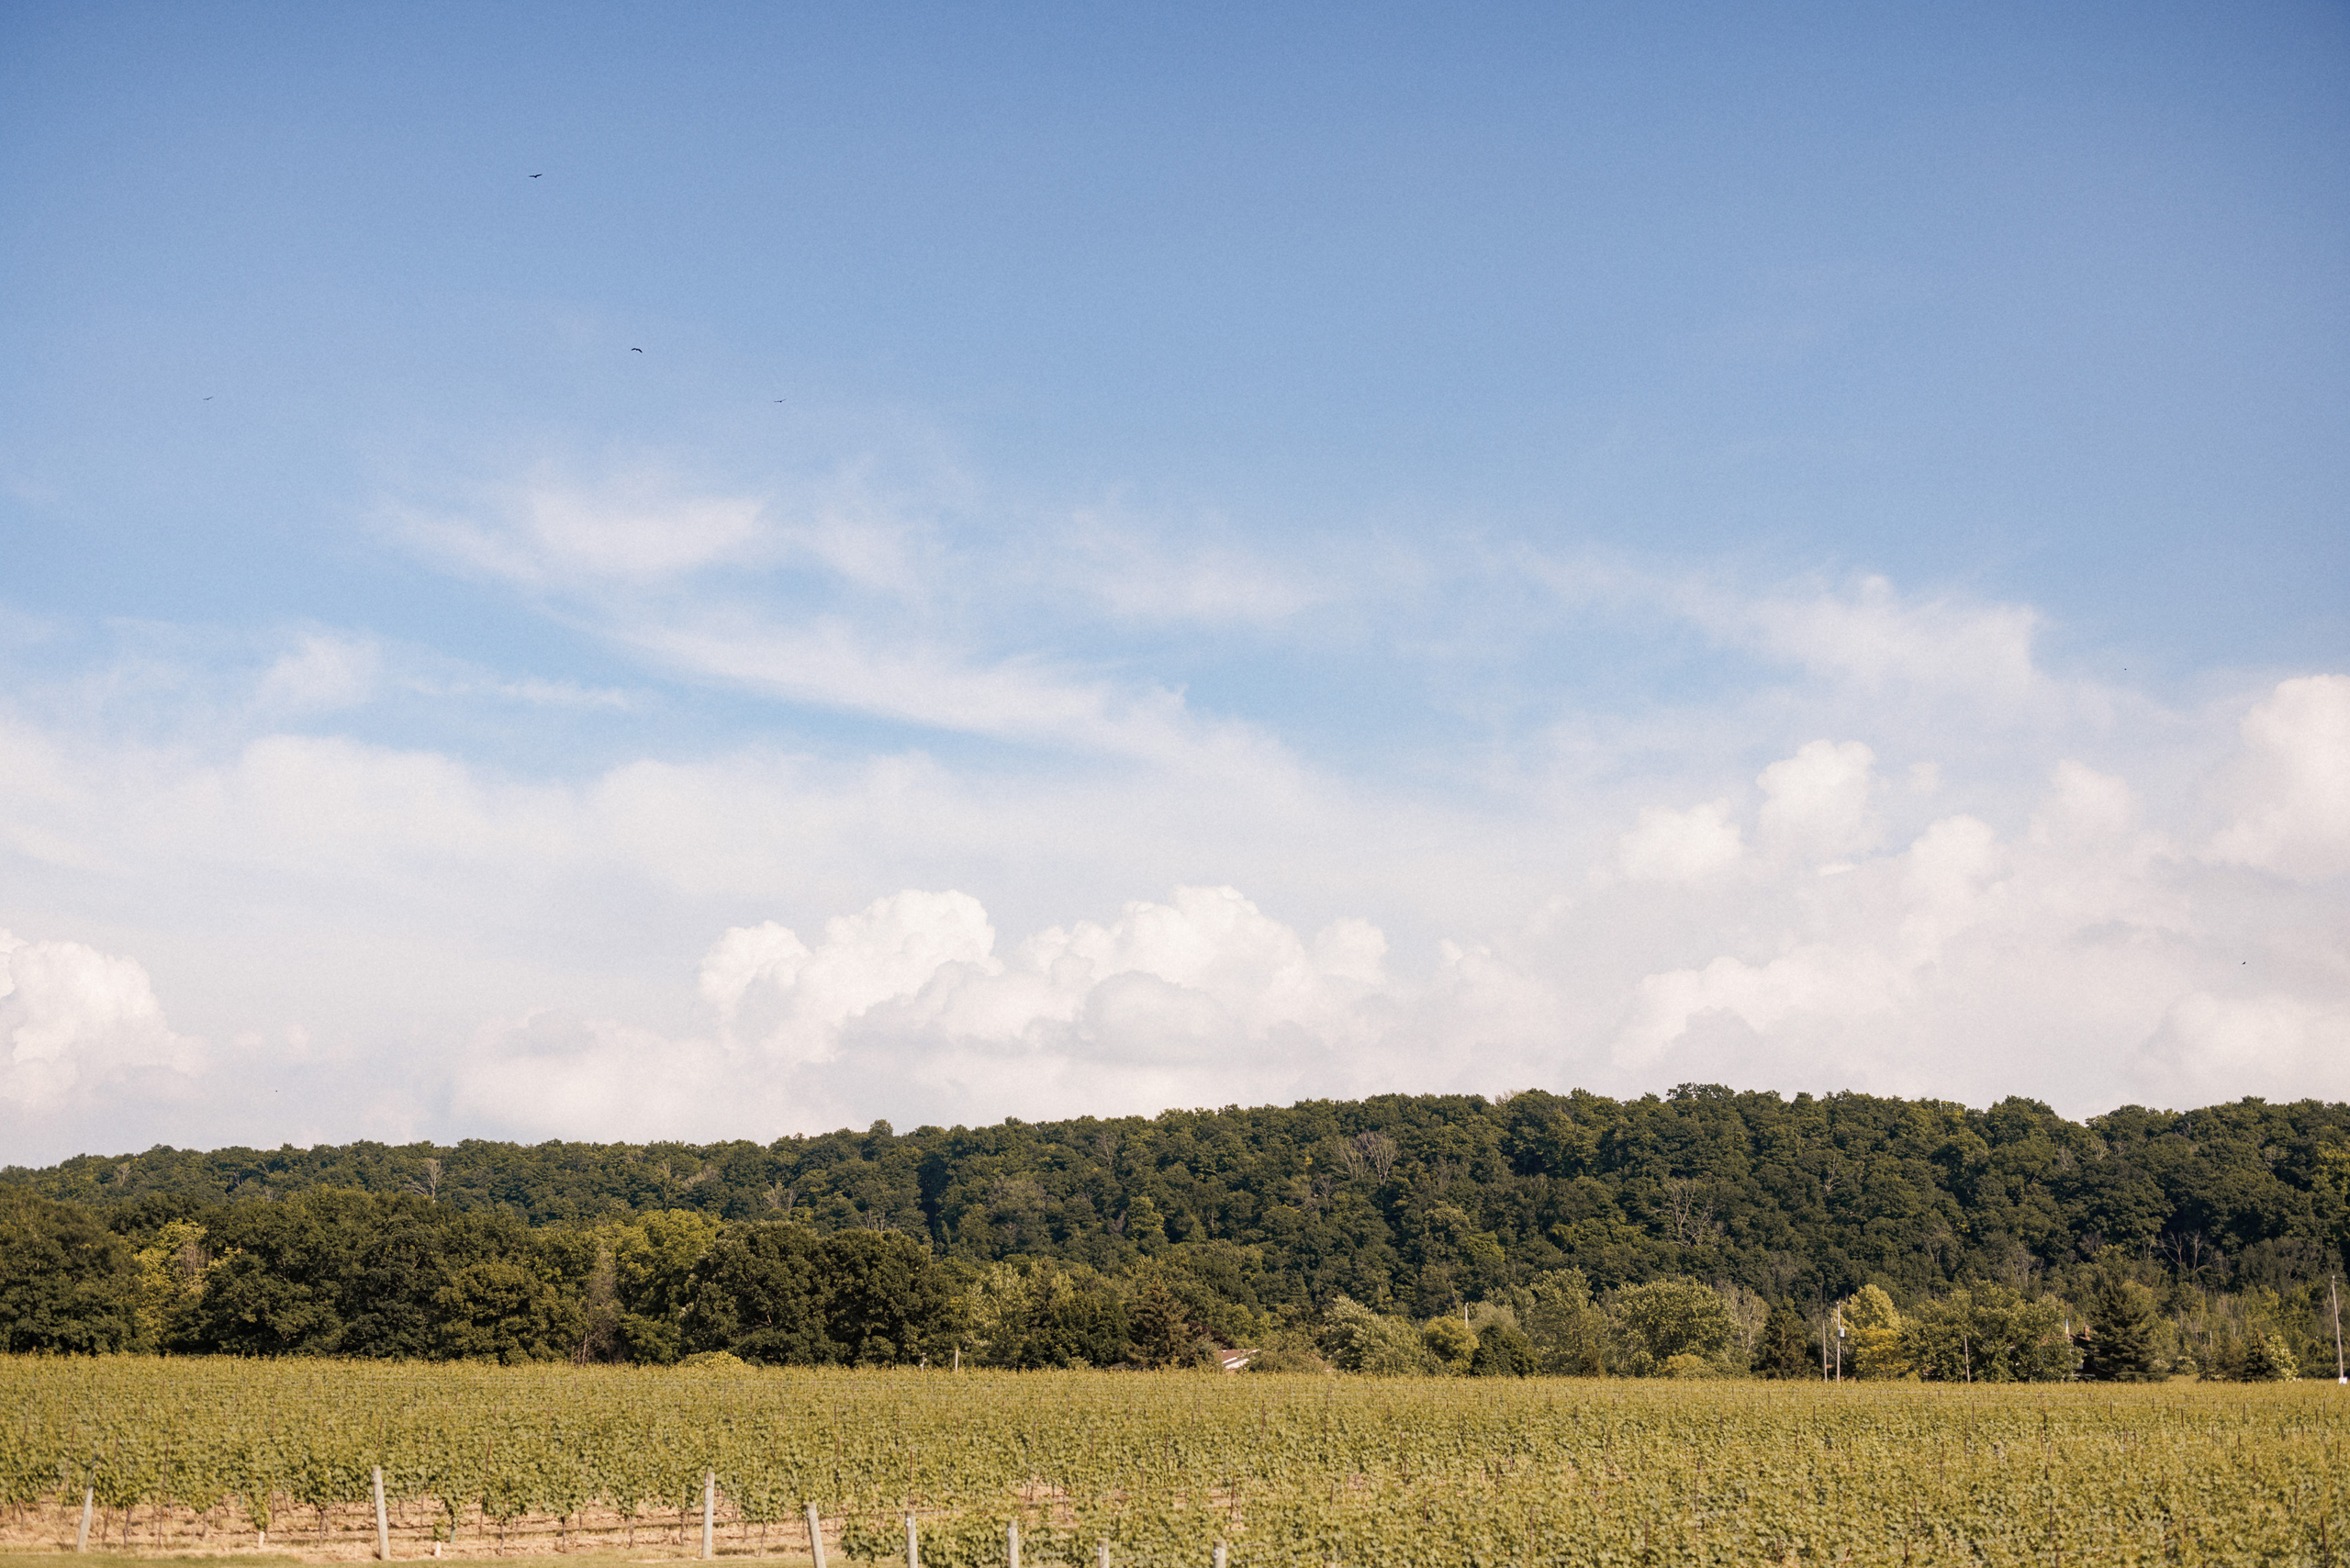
944,562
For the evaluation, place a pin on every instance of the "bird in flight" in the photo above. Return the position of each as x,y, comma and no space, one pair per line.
538,176
637,351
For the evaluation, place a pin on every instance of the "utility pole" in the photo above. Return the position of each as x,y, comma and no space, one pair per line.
1840,1342
2334,1292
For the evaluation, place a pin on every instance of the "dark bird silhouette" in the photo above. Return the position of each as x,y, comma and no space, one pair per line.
637,351
536,176
208,399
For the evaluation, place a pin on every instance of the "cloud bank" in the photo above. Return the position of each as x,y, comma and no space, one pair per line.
965,873
2086,954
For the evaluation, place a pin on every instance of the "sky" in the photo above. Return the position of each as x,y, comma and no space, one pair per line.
635,571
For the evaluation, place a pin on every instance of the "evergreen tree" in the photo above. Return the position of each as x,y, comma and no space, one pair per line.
1788,1350
2122,1330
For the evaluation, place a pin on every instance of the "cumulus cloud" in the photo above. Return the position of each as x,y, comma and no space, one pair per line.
2291,788
1167,999
1666,845
2065,957
1818,803
79,1023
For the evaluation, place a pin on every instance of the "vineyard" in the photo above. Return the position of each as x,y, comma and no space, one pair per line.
219,1455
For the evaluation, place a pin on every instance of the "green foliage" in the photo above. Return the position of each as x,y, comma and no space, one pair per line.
776,1293
66,1283
1567,1332
1502,1351
1648,1325
1406,1202
1294,1473
1451,1344
1358,1340
1038,1313
1987,1334
1205,1227
2121,1329
1788,1347
1873,1343
504,1312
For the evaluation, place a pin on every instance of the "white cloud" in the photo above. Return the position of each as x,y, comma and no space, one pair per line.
2292,787
1168,998
480,951
634,529
77,1023
321,675
1820,802
1667,845
833,663
2213,1047
1877,640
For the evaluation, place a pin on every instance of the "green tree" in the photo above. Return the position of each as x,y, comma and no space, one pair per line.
1874,1325
1451,1344
1569,1334
2122,1328
504,1312
1987,1333
1648,1325
755,1294
1037,1312
1788,1350
885,1302
1361,1340
1502,1351
1160,1324
66,1283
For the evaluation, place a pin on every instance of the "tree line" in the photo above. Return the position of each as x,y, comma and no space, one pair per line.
1531,1232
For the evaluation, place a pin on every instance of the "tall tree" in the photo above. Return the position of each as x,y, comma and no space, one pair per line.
2122,1337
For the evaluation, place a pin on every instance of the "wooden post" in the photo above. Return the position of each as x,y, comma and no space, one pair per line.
1219,1554
1100,1554
709,1513
1012,1541
383,1526
913,1542
816,1538
82,1537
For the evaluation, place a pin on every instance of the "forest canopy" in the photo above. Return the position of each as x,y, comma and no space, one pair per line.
1151,1238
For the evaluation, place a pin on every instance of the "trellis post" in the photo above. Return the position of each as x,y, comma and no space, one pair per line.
82,1537
383,1526
816,1538
709,1513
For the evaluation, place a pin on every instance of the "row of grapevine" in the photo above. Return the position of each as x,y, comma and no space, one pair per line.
1288,1471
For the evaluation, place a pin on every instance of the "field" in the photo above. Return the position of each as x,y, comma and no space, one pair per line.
224,1457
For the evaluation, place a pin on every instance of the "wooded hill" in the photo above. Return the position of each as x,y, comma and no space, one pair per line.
1416,1204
